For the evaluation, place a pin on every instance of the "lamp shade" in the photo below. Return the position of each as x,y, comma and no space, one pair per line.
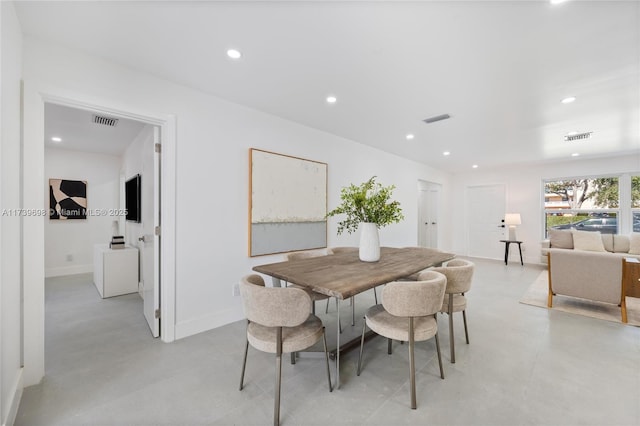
512,219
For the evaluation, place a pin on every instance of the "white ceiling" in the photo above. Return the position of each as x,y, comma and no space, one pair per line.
78,131
498,68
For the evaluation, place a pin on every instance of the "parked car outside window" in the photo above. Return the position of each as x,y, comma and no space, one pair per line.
606,225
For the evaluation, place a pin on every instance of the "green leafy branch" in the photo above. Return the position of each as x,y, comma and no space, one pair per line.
369,202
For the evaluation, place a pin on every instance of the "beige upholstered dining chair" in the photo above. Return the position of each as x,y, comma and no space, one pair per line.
315,296
459,273
278,321
408,313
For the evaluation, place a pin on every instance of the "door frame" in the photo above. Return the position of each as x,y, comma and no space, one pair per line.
34,98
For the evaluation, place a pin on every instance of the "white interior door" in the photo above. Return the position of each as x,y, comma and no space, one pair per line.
485,212
428,215
150,242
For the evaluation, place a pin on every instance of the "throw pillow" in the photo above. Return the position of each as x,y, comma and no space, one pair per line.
560,239
621,243
634,243
587,241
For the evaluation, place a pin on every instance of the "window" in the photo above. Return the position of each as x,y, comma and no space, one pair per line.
635,202
587,204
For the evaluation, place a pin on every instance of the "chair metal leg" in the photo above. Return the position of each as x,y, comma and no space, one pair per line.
244,364
451,342
439,356
375,295
276,406
293,358
326,309
389,349
364,329
326,356
412,365
466,331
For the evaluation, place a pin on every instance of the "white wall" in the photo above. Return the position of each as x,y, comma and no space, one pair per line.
525,194
77,237
213,138
10,276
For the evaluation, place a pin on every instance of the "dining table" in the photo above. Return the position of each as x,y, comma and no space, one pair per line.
342,275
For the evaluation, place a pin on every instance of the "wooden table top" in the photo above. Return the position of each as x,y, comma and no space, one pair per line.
343,275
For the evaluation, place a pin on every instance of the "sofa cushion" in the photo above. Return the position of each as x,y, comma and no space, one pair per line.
621,243
634,243
607,242
560,239
587,241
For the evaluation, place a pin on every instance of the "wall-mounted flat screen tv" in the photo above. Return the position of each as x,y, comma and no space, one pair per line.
132,199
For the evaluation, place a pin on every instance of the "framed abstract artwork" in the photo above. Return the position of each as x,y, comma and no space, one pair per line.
67,199
287,203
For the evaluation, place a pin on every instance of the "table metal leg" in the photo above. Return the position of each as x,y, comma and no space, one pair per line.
276,282
506,253
520,249
338,345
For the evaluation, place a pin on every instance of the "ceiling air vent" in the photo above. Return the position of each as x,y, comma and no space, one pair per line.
436,118
577,136
105,121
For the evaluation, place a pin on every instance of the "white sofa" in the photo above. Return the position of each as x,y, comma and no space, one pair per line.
589,270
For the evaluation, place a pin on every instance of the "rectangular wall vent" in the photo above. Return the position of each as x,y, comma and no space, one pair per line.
436,118
105,121
578,136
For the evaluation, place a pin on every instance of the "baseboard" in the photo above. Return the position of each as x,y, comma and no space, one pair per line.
16,393
68,270
208,322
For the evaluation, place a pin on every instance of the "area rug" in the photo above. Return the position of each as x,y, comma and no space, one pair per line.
537,293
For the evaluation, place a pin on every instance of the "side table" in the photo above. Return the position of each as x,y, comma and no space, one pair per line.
506,250
630,282
115,271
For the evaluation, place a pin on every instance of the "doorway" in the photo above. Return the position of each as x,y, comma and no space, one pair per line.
428,213
103,151
485,212
34,192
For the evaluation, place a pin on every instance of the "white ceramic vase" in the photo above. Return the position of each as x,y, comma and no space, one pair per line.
369,242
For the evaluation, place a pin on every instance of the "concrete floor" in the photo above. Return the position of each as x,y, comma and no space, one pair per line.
525,366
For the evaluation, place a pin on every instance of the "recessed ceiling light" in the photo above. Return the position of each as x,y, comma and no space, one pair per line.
556,1
332,99
410,136
575,154
568,99
446,153
475,166
56,139
234,54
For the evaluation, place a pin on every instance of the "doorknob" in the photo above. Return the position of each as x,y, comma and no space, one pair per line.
141,238
433,223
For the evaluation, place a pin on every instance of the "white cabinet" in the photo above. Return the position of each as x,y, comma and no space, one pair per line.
115,272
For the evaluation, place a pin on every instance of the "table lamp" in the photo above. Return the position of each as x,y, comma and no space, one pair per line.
511,220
